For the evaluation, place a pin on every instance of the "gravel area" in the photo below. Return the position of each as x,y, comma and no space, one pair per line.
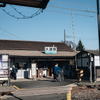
86,95
88,83
7,88
86,91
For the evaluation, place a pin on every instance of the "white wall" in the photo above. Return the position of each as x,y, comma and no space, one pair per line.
97,61
20,73
24,73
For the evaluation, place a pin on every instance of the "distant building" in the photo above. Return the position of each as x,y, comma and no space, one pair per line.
30,57
89,61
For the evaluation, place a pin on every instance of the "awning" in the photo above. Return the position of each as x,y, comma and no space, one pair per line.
31,53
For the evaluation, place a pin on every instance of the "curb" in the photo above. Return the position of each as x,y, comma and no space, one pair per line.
69,93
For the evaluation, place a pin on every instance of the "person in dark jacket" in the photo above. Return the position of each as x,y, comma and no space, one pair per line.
14,71
56,71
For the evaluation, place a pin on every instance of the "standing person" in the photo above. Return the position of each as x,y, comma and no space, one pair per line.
14,71
56,71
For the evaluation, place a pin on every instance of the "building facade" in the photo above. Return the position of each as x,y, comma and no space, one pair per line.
36,59
89,62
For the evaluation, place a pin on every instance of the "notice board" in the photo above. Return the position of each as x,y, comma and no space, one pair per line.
4,67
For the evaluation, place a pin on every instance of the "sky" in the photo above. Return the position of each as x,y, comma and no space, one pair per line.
73,16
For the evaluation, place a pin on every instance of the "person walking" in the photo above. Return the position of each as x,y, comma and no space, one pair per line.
14,71
56,72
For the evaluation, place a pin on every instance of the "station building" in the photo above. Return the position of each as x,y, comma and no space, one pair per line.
89,62
32,57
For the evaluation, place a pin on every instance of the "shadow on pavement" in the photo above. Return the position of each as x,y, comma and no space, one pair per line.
52,80
17,98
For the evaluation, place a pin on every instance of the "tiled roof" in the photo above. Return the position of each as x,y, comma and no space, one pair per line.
95,52
32,45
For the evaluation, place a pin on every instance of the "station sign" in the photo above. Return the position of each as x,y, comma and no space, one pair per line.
50,50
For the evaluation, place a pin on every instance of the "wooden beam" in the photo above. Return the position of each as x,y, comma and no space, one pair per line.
51,59
2,4
31,3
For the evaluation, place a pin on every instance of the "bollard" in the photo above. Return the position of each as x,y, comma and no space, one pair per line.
79,74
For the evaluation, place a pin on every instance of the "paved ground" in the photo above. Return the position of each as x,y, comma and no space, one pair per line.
39,97
45,89
24,84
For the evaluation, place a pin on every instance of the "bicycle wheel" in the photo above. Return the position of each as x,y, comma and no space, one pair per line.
59,77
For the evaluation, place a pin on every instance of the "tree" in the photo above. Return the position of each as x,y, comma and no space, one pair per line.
70,44
80,46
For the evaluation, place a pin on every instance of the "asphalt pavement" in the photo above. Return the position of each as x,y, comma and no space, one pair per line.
28,83
39,97
40,89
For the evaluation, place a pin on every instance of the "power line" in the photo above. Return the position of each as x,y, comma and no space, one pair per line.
73,9
69,36
10,33
71,3
17,11
23,16
70,13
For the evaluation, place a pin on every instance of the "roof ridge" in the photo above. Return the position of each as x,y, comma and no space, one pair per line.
30,41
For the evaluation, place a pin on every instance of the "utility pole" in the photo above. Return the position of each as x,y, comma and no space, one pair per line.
90,68
74,39
98,26
73,31
64,36
98,18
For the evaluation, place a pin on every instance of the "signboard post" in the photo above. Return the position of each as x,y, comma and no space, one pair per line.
33,66
4,68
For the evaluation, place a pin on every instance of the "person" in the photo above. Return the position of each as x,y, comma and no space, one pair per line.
14,71
56,72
